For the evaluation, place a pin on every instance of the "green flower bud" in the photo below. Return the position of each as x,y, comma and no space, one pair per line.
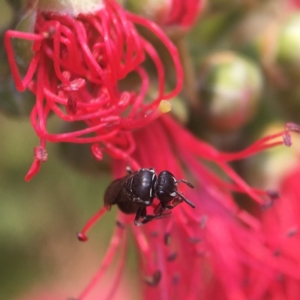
288,49
229,89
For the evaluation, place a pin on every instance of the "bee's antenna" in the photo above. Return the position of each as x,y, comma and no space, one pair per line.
186,182
185,199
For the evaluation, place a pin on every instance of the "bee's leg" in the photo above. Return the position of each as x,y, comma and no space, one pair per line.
128,169
142,214
160,209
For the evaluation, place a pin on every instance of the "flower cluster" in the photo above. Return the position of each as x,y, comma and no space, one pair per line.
218,243
76,66
281,226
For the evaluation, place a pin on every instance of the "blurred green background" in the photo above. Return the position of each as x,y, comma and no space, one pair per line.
39,219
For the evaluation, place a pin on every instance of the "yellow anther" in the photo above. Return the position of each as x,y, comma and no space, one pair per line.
165,106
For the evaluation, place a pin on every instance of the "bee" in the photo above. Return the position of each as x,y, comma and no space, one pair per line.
136,191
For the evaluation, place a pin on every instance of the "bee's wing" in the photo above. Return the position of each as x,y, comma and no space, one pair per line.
114,190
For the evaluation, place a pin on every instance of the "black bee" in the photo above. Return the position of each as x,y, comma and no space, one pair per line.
135,191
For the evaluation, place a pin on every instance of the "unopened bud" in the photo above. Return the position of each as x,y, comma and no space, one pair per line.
230,88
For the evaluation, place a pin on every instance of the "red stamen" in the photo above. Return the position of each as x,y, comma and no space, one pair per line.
119,270
90,223
97,152
35,167
287,139
72,103
118,238
21,84
170,47
40,153
292,127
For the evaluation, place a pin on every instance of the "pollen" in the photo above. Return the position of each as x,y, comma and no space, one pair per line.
165,106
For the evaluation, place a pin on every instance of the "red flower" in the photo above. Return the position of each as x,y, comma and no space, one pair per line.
169,13
184,13
76,66
281,223
216,251
295,3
